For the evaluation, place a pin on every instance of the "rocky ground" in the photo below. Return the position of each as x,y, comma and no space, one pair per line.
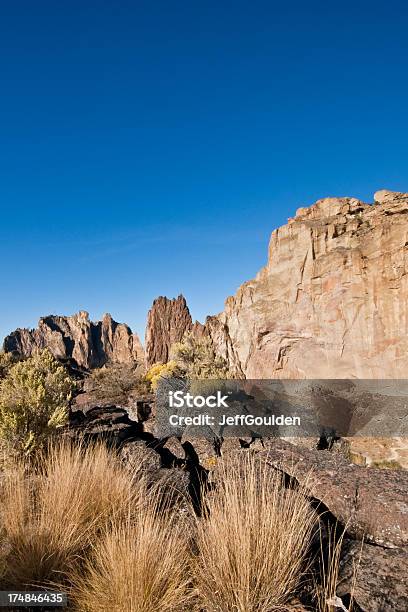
369,503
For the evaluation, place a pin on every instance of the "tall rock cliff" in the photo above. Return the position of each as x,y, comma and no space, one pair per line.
167,322
89,344
331,301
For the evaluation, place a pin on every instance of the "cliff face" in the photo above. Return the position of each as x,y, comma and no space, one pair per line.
167,322
89,344
331,301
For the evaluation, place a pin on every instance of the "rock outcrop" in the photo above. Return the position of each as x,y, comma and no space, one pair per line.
76,338
369,503
372,505
331,301
167,322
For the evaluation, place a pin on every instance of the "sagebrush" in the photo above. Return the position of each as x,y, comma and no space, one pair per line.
34,400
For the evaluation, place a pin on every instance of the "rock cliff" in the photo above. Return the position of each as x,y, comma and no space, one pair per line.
77,338
167,322
331,301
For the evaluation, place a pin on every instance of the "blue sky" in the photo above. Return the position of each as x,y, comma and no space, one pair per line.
150,148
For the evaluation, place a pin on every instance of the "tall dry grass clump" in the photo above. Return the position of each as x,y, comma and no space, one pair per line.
253,540
141,565
50,516
327,580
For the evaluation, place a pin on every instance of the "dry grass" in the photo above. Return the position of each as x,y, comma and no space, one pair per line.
326,590
253,542
48,519
330,558
138,566
84,522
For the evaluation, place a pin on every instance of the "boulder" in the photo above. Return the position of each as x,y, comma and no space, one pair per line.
370,502
109,423
138,457
380,577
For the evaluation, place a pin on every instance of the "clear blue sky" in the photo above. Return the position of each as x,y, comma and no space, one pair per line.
150,148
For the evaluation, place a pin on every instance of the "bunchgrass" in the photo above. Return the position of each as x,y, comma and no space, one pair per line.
252,541
138,565
49,516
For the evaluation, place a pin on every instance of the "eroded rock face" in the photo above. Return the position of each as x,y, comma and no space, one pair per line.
331,301
167,322
89,344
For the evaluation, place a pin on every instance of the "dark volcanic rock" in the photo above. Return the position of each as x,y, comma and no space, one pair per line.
369,502
108,423
167,322
88,344
380,582
372,503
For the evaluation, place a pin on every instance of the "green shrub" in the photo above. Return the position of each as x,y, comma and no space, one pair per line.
34,400
197,359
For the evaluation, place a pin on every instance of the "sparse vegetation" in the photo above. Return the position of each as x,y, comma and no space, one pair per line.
192,359
50,516
6,361
325,589
81,521
34,400
386,464
117,383
139,566
196,359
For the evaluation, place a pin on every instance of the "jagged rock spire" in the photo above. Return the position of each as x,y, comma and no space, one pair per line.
167,322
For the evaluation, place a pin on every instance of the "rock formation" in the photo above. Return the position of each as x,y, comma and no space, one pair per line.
331,301
76,338
167,322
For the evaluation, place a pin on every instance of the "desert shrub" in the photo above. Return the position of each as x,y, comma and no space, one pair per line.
138,566
6,361
34,400
252,541
162,370
50,518
192,359
116,383
196,358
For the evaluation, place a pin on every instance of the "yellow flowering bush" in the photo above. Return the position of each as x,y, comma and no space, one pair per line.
161,370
